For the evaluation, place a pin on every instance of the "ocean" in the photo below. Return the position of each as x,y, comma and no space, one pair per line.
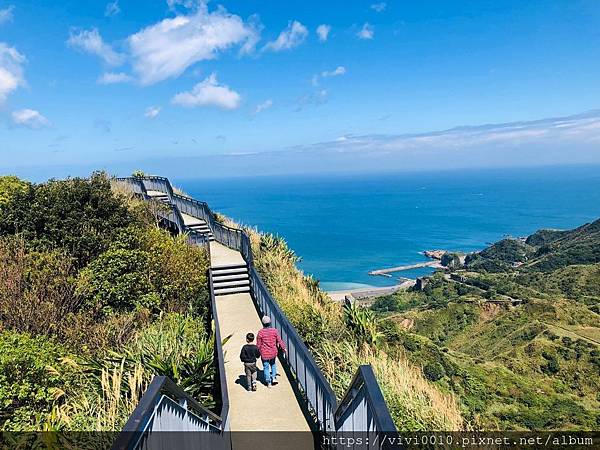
343,226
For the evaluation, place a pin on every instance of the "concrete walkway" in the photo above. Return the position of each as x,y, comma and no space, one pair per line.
266,409
224,256
189,221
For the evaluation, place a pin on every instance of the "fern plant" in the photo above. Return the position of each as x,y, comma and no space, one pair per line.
363,323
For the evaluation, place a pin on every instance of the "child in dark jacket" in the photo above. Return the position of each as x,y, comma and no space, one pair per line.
249,355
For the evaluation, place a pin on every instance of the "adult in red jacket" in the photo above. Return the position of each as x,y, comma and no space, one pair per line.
269,342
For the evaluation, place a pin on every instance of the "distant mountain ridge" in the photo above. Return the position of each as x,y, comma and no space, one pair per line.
545,250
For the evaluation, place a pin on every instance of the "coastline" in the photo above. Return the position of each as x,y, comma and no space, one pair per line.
369,293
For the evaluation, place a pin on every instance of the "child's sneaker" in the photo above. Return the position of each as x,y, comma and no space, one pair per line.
254,387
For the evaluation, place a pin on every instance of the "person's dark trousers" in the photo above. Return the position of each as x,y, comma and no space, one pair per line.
250,369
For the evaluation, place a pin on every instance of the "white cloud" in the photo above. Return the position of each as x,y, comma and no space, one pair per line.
166,49
11,70
91,42
112,9
152,111
6,14
579,129
209,93
185,3
366,32
291,37
323,32
29,118
379,7
263,106
339,70
114,77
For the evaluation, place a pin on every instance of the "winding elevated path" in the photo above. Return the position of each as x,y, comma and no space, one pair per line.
266,409
301,402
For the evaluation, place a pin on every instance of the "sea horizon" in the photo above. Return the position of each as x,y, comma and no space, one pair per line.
343,226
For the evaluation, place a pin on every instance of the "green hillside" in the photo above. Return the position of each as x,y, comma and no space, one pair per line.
516,336
545,250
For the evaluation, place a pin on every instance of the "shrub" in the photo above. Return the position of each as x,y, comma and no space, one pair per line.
362,323
567,341
118,280
551,367
434,371
146,268
36,293
177,346
385,304
80,216
9,187
27,388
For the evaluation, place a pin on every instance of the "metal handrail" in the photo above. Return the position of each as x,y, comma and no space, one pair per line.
157,183
232,237
160,386
219,356
364,381
137,183
162,184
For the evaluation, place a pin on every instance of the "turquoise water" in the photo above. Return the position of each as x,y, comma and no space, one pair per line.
345,226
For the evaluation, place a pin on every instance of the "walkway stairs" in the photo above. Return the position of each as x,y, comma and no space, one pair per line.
231,279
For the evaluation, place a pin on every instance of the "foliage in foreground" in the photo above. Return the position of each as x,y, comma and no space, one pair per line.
85,266
177,346
27,390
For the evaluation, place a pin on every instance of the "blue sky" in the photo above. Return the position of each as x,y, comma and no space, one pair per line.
126,82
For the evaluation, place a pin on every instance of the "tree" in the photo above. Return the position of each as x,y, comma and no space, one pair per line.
10,186
434,371
146,268
80,216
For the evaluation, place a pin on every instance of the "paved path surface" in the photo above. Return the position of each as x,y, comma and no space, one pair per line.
191,220
224,256
266,409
